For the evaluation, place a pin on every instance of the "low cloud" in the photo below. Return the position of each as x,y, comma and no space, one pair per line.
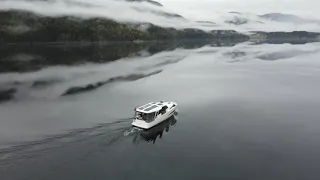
193,11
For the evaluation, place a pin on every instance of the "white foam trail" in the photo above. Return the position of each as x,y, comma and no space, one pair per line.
132,131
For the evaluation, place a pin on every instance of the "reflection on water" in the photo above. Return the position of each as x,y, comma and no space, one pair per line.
286,41
24,58
152,134
49,71
93,86
242,111
285,54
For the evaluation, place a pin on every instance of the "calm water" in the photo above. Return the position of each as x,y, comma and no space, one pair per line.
246,111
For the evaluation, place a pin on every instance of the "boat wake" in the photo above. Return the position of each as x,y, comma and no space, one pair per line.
98,138
132,131
32,148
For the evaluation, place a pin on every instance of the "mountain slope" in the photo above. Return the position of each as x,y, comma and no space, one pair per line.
156,3
157,12
279,17
127,20
21,26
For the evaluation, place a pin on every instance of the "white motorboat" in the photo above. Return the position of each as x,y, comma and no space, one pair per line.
151,114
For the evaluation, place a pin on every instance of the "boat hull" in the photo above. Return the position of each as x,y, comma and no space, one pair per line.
144,125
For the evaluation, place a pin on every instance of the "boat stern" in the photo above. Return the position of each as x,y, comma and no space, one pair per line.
140,124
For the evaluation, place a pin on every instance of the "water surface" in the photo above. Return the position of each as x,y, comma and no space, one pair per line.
246,111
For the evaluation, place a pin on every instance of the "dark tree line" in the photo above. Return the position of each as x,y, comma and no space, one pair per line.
18,26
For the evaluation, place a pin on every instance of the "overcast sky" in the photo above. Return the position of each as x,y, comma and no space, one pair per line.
308,8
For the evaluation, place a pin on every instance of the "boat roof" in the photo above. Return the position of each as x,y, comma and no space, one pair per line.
151,107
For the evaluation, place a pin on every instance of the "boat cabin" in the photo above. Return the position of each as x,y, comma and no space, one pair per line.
150,111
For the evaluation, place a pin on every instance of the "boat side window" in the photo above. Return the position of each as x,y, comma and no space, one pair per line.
150,117
164,109
161,111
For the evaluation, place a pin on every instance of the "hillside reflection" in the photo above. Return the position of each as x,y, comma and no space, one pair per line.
29,58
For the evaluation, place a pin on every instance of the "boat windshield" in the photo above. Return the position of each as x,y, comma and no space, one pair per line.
148,117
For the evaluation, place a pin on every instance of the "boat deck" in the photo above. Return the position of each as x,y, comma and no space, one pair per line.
152,107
